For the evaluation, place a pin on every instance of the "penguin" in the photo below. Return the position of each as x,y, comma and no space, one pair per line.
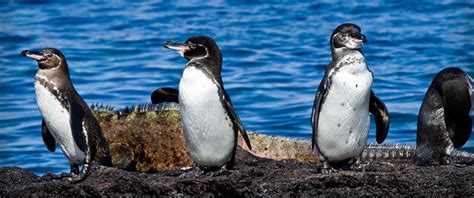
209,121
340,116
66,118
444,121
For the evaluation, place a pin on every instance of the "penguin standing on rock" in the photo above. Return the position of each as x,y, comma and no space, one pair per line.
340,116
444,123
67,120
209,121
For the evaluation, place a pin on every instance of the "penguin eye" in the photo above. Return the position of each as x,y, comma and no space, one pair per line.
344,36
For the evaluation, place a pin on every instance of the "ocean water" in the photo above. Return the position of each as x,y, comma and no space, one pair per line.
275,55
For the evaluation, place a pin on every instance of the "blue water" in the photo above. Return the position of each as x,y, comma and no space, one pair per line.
274,57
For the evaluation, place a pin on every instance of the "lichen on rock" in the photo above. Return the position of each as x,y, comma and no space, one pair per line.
145,138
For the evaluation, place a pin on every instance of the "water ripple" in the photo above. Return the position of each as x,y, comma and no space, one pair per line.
274,58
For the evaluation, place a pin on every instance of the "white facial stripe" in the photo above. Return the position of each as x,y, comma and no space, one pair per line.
60,60
202,57
56,67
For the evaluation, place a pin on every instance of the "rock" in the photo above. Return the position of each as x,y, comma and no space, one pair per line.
254,177
144,139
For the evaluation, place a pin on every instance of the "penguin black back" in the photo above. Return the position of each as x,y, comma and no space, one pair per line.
444,122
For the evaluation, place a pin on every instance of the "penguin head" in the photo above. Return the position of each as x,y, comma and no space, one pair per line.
196,47
47,58
347,35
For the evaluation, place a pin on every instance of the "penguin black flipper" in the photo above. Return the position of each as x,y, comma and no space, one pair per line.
76,115
233,116
318,101
380,112
48,139
166,94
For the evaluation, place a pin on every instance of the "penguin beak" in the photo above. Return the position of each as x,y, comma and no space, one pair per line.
34,55
178,47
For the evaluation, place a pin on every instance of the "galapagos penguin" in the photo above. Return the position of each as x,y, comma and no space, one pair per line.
444,122
340,117
67,120
209,121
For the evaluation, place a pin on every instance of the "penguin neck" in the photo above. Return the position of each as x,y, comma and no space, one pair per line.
58,76
211,67
338,53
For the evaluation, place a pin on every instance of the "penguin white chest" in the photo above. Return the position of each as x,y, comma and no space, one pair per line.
344,115
208,130
57,120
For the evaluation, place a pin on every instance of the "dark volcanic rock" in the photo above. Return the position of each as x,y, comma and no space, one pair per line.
252,176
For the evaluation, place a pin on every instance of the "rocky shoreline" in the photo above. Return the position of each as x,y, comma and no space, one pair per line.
252,177
150,158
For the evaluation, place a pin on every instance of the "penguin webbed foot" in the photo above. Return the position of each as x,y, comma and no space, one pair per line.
358,165
74,169
189,172
326,168
444,161
213,171
216,173
77,177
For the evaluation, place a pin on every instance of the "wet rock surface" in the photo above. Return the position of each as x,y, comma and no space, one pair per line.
252,176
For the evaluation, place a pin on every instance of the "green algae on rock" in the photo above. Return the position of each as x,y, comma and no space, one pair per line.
280,148
145,138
